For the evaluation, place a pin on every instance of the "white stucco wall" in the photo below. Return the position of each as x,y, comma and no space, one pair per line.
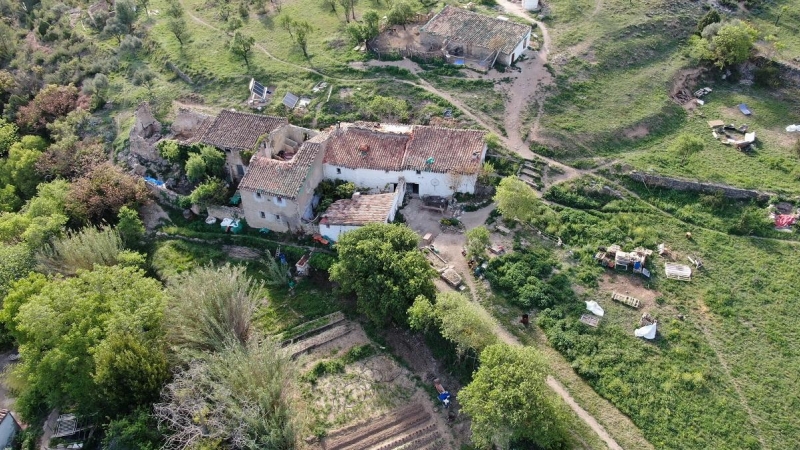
505,58
8,428
334,231
430,183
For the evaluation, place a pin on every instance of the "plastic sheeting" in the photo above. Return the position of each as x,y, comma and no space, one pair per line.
785,220
595,308
647,332
793,128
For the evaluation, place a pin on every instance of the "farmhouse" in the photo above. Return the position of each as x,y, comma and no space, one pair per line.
277,184
461,33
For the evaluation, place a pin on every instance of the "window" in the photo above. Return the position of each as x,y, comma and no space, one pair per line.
419,172
338,171
258,195
277,217
279,201
263,214
240,170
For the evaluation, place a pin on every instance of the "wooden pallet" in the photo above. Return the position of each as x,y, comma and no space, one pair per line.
626,299
591,320
678,272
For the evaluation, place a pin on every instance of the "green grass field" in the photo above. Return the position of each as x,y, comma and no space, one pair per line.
725,375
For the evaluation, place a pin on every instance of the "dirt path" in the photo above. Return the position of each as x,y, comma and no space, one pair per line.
585,416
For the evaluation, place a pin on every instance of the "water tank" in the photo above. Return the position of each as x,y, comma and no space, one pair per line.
530,5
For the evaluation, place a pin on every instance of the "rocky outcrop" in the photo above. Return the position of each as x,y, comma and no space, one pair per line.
145,133
697,186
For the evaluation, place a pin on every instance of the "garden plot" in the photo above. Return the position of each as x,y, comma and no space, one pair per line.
375,403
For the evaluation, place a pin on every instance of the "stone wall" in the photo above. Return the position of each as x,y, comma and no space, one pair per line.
696,186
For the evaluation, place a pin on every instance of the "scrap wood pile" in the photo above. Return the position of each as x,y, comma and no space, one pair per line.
730,134
613,257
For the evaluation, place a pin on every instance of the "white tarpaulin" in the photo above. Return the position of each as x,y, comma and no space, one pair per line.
647,332
793,128
595,308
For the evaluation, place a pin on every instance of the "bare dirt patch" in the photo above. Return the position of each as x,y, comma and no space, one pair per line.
684,83
636,132
397,38
628,284
239,252
153,215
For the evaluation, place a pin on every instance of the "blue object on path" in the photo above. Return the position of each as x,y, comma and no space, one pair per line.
153,181
744,109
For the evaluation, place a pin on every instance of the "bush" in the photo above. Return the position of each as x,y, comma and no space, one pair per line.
321,261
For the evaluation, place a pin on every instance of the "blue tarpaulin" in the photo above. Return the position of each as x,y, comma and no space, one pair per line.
153,181
744,109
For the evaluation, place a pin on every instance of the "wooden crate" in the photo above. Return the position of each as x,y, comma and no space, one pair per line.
626,299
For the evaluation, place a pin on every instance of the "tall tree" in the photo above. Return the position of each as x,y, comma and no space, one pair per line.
98,196
509,401
477,241
100,348
459,320
241,45
174,9
301,32
381,265
177,26
400,14
125,13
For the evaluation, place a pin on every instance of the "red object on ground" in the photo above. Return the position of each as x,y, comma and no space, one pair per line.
320,239
785,220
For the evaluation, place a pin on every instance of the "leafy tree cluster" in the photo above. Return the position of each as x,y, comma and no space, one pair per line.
331,190
477,241
460,321
299,31
508,401
724,44
366,31
526,278
93,341
381,265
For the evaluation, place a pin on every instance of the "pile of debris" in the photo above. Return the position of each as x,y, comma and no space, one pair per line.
614,258
784,216
722,132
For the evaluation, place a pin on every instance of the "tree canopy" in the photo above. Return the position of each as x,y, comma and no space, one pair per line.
459,320
477,241
508,400
93,342
516,200
725,44
381,265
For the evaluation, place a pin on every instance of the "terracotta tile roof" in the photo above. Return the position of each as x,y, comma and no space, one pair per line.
359,148
236,130
282,178
199,133
469,28
359,210
451,150
405,147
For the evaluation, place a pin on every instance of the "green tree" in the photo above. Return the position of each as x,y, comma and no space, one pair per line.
381,265
130,227
458,320
686,145
400,14
241,45
516,200
137,430
125,13
711,17
93,342
733,43
177,26
477,241
214,160
16,261
213,191
8,135
174,9
508,400
19,169
82,250
371,24
195,168
171,151
302,30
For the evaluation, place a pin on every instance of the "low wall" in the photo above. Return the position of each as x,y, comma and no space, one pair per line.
696,186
